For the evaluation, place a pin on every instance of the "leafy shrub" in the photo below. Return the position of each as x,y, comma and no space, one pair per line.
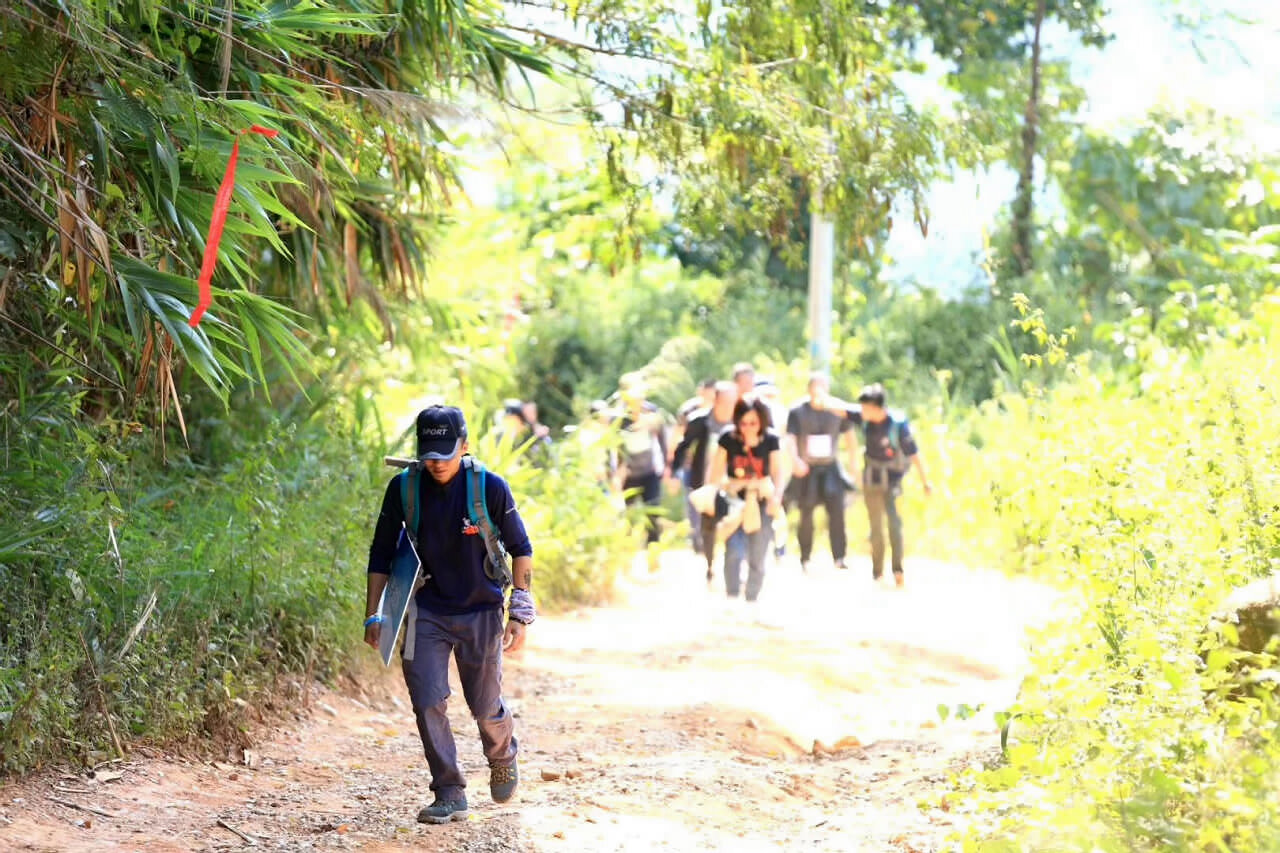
1146,503
150,601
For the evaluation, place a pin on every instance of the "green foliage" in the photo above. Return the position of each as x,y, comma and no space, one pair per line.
1145,502
993,107
968,32
908,338
565,308
1170,232
744,107
116,123
154,602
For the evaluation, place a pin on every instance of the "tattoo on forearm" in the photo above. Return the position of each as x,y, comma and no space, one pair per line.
522,573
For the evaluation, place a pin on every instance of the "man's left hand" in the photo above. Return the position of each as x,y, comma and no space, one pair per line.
513,637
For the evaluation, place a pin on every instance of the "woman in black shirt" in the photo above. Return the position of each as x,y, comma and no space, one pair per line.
748,465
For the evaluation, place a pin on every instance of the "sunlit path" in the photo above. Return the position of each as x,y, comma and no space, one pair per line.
672,720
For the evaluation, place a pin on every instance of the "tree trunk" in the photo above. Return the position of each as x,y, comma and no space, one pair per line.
1023,203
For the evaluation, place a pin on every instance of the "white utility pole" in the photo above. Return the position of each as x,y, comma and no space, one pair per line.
822,252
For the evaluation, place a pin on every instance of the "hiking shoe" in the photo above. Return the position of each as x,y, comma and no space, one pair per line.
502,781
443,811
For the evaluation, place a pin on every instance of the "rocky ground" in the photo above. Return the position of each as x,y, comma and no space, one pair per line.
672,720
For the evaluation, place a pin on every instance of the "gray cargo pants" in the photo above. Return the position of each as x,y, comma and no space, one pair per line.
475,640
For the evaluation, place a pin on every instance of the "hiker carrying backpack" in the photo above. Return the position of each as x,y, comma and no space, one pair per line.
884,461
463,524
889,451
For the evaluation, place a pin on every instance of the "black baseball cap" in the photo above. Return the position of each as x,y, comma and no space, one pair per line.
873,394
441,431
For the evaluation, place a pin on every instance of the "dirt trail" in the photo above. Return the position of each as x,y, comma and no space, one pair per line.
673,720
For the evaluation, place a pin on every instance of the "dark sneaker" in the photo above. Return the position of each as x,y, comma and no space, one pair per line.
502,781
443,811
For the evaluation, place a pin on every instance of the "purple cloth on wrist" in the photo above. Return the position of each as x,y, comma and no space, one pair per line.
520,607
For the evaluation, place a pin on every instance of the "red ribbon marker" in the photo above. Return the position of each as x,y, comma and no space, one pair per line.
221,204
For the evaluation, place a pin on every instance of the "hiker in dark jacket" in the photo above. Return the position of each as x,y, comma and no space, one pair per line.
889,451
696,449
457,612
696,404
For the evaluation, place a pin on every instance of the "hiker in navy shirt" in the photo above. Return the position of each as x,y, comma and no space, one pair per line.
889,451
457,611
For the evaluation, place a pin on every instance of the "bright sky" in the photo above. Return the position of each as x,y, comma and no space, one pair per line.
1147,64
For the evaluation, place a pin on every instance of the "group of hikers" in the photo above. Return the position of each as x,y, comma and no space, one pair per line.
742,456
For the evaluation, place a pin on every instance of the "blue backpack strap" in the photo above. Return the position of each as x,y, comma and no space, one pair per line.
409,501
497,567
476,508
896,420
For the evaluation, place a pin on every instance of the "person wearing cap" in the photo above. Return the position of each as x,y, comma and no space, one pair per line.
703,399
457,611
889,451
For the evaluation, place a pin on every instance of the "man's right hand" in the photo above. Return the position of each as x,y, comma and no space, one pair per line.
801,468
373,635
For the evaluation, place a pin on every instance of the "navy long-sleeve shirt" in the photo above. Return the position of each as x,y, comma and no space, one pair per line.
451,549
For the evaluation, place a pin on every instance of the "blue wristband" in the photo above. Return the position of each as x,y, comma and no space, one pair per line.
375,619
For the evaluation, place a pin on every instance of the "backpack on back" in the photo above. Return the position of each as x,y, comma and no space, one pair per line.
497,564
898,461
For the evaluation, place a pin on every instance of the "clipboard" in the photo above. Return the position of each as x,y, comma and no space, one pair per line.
403,582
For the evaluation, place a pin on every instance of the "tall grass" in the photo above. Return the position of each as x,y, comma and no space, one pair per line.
1146,500
148,600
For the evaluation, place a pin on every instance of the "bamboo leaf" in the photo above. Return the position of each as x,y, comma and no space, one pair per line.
167,158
